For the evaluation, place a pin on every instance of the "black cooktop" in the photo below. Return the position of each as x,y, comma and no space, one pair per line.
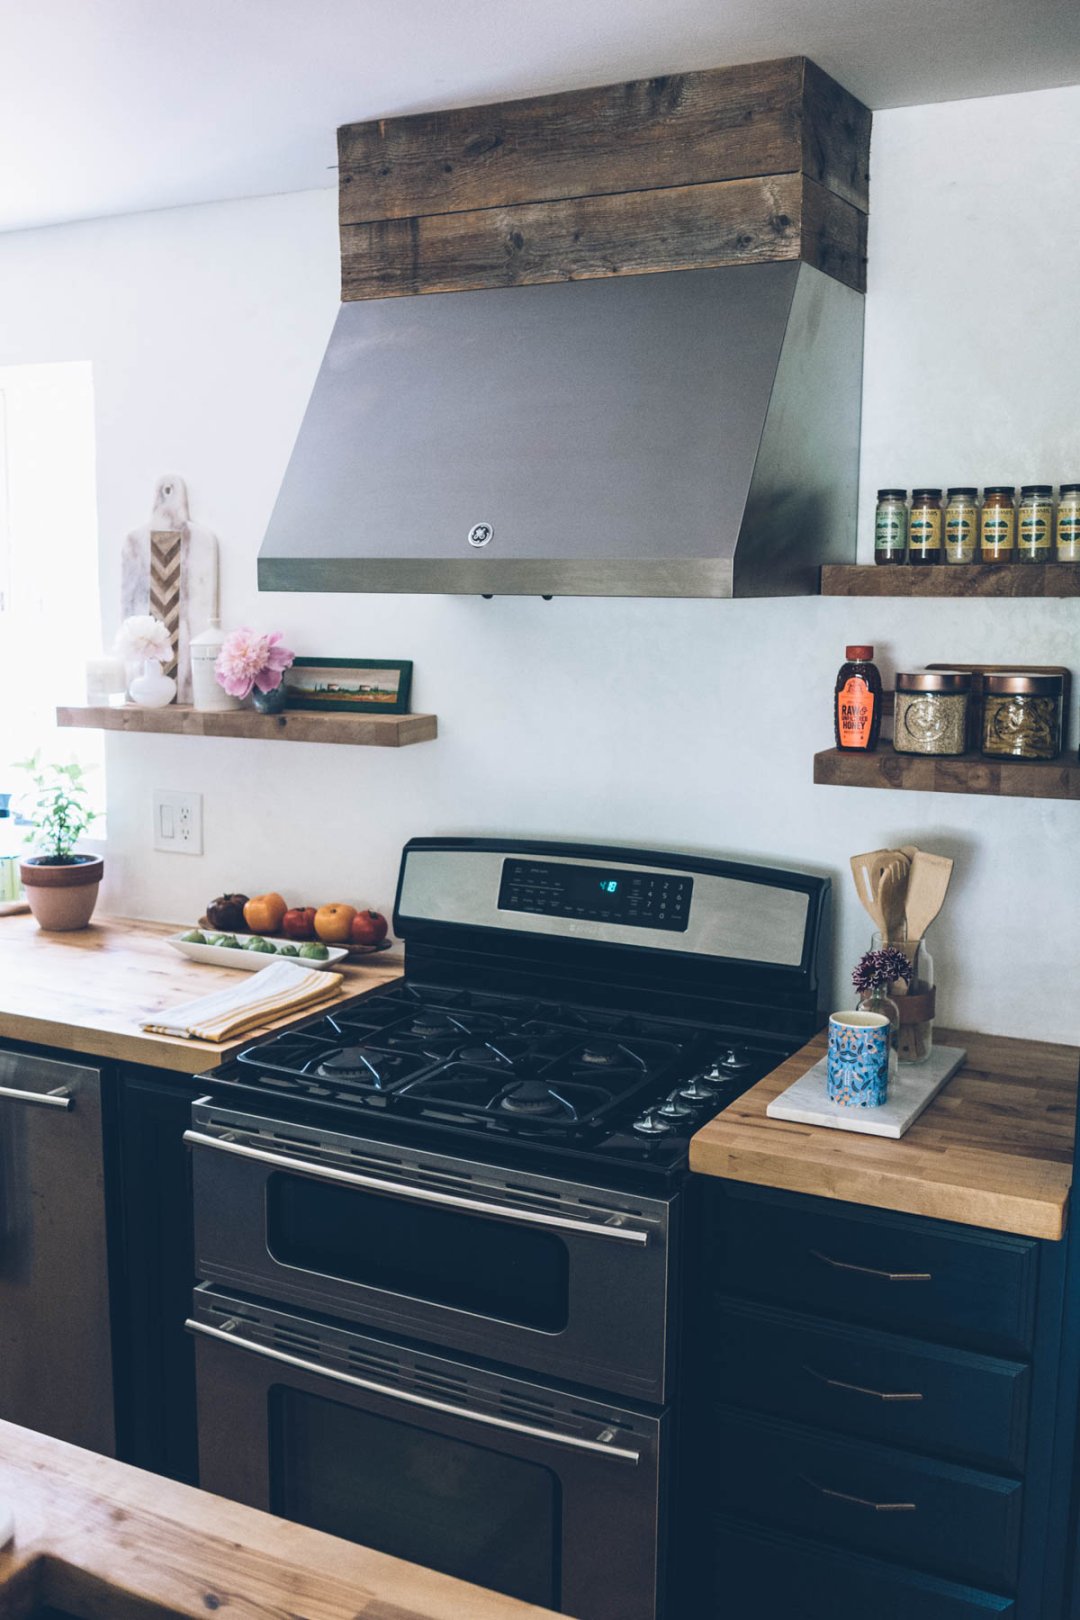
507,1074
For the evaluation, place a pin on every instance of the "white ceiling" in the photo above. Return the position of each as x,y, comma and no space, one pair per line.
113,106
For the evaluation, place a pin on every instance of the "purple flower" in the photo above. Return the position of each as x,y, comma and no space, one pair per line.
879,970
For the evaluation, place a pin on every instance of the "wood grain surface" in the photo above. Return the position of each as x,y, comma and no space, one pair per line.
970,773
682,129
294,725
96,1538
88,991
963,579
993,1150
761,162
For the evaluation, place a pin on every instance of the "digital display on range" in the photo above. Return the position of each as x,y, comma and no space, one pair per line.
596,894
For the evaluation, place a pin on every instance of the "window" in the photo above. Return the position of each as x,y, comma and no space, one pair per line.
50,619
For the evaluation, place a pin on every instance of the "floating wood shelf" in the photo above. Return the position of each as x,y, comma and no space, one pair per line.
970,773
963,579
294,725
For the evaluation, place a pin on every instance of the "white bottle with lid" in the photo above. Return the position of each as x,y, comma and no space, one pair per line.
206,693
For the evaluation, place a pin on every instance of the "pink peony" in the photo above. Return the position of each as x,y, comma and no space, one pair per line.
247,660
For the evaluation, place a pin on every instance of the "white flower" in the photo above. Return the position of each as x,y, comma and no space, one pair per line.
143,636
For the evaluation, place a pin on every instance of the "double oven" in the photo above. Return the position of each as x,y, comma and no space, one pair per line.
332,1264
439,1302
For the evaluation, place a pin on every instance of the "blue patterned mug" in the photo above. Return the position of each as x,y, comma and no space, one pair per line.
858,1063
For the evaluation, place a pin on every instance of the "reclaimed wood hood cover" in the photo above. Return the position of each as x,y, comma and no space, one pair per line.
567,418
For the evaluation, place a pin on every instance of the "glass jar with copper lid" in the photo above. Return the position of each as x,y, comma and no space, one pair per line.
1021,717
997,524
931,712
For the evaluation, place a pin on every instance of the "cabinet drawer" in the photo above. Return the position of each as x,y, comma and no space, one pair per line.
759,1575
912,1510
950,1403
917,1276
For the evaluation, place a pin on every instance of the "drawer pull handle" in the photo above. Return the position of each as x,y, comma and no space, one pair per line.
860,1389
871,1271
859,1501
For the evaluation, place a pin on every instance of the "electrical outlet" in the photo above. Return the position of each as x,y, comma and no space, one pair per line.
178,822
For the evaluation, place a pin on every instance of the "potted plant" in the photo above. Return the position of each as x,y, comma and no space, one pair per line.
61,886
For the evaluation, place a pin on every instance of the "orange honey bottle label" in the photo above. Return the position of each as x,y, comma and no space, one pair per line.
854,712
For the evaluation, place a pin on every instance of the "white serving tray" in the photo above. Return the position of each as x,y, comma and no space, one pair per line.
915,1087
251,961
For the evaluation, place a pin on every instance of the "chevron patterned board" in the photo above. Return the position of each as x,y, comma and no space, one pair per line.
166,550
173,574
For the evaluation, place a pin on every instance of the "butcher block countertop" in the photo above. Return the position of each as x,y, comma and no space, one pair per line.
994,1149
95,1538
88,991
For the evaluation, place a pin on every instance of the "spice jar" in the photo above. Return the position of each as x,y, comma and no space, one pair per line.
1035,524
962,526
931,712
1068,524
997,525
890,526
924,543
1022,716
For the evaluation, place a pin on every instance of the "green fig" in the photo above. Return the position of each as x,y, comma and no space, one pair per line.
315,952
194,937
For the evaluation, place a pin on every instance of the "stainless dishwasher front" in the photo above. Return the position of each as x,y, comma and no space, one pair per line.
55,1342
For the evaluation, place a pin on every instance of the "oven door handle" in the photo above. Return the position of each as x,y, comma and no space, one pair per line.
426,1195
600,1447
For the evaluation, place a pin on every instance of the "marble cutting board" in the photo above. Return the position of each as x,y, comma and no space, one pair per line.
915,1087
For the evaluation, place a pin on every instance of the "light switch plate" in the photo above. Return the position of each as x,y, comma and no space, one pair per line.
178,822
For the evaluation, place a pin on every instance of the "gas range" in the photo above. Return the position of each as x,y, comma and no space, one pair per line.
544,1019
530,1078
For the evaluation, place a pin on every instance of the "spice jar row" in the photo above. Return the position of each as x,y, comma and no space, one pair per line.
1004,714
1001,530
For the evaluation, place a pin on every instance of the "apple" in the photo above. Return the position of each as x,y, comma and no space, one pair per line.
368,928
263,913
299,923
332,923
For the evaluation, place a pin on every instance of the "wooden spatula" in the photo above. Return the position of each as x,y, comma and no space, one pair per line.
928,883
892,898
867,872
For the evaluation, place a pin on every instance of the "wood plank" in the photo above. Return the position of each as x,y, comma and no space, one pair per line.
970,773
634,233
294,725
833,236
993,1150
96,1537
681,129
89,990
964,579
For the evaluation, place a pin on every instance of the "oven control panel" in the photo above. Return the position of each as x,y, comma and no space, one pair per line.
638,899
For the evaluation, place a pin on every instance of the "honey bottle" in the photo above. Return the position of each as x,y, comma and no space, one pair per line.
857,702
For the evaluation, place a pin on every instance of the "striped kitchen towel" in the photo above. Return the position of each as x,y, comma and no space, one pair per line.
274,991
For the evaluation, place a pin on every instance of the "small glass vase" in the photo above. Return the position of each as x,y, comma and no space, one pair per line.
270,702
916,1002
876,1001
152,689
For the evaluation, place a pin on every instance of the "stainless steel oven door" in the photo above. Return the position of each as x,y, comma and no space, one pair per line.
553,1277
548,1496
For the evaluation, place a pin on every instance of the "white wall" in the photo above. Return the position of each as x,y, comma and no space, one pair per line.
205,327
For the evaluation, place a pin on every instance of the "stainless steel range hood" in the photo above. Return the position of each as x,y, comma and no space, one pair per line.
684,434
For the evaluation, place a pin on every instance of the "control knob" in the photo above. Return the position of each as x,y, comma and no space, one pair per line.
733,1060
697,1090
674,1108
650,1125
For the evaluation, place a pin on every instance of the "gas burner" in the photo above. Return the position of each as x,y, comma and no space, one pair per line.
530,1097
348,1063
599,1054
500,1051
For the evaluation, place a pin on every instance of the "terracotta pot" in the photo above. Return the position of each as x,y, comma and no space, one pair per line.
62,898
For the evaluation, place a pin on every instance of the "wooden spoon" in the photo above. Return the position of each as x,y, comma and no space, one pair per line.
892,899
928,884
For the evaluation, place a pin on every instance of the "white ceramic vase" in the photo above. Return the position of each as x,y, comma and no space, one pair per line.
206,693
152,689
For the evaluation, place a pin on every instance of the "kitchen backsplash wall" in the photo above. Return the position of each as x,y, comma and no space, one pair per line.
682,724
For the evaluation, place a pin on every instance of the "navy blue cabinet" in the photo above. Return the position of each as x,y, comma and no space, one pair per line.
872,1432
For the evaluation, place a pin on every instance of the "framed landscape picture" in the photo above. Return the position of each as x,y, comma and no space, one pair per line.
350,685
